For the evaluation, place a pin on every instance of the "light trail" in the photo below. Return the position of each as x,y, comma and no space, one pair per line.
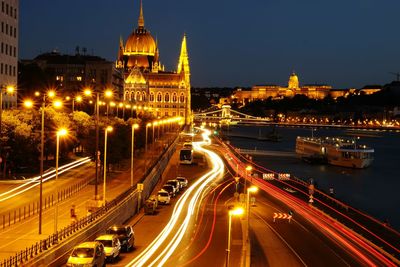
167,241
332,229
33,182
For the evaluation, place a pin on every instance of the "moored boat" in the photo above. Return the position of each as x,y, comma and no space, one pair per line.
334,151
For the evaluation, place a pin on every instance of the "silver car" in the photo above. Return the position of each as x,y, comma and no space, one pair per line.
163,197
112,246
183,181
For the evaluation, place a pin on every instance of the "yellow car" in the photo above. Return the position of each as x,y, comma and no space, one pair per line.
87,254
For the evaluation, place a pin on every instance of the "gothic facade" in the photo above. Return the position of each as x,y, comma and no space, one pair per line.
147,83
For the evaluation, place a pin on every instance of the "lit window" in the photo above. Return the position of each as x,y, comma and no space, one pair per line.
79,78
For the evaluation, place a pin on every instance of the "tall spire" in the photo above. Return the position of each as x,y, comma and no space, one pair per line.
184,57
141,17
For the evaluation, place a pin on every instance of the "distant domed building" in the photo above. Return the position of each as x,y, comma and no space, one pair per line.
317,91
147,83
293,82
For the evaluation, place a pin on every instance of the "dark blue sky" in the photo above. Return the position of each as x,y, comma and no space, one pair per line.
345,43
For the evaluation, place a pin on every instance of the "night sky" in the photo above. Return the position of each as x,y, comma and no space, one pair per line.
344,43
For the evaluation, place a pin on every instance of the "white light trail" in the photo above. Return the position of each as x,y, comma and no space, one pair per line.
168,240
31,183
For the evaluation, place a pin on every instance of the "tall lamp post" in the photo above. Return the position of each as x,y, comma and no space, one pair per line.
251,189
145,144
134,126
154,125
108,129
60,132
8,90
29,104
248,169
108,93
234,212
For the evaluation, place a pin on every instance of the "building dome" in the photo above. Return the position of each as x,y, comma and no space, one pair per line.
140,42
293,81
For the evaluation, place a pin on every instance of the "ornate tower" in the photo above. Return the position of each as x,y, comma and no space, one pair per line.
184,70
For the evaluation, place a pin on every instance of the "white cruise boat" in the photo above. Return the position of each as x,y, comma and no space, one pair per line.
334,151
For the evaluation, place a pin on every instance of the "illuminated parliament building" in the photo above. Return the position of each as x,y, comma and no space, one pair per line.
147,83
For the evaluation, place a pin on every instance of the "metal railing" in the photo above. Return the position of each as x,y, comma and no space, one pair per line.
24,212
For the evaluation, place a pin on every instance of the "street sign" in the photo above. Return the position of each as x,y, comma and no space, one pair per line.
268,176
284,176
283,216
140,187
311,189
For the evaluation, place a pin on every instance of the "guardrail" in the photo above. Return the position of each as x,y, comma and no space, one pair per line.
124,201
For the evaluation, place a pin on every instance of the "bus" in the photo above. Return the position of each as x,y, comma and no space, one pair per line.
186,156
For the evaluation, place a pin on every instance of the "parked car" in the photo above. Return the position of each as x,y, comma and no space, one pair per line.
188,145
163,197
112,246
183,181
175,183
87,254
125,235
170,189
154,199
150,206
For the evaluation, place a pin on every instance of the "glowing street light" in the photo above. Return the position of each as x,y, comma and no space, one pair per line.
145,145
251,189
154,124
248,169
61,132
134,126
29,104
108,129
8,90
234,212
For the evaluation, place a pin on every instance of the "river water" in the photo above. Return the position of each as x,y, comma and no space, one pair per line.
374,190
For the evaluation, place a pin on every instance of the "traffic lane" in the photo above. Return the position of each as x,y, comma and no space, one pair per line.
30,196
207,244
149,226
312,246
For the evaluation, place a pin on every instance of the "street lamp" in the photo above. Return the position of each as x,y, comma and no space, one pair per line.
145,145
29,104
107,93
154,124
248,169
251,189
8,90
77,99
134,126
234,212
108,129
60,132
